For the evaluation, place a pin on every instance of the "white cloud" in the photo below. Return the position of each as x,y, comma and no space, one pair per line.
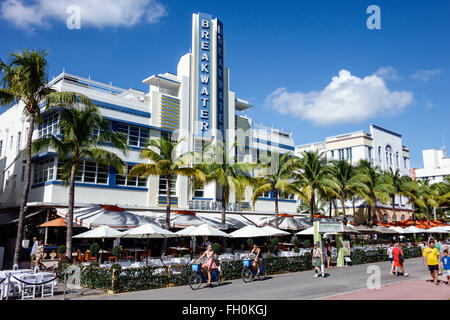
388,73
425,75
97,13
347,99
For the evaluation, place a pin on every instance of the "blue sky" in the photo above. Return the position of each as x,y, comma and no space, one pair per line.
282,57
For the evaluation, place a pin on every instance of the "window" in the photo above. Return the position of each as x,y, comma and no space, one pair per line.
123,180
396,159
403,218
11,144
199,193
18,142
349,154
49,126
43,171
332,154
88,172
404,160
1,147
163,185
136,136
370,153
286,196
379,154
266,195
341,154
22,177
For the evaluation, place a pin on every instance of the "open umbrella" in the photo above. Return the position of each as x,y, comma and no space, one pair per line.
207,230
307,232
436,230
58,223
413,229
250,232
148,231
102,232
274,232
397,229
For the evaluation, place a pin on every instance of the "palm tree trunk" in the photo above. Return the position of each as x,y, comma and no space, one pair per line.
276,208
369,215
311,206
343,203
26,190
69,221
167,226
413,214
223,205
428,214
353,205
331,208
393,208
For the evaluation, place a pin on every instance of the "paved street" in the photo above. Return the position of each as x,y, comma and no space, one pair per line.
293,286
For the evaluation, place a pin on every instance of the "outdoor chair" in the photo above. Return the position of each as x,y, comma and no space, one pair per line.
47,289
28,290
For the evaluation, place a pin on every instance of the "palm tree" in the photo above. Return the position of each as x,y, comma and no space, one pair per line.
165,163
378,187
276,179
25,81
312,175
396,183
425,195
410,190
225,173
83,130
348,180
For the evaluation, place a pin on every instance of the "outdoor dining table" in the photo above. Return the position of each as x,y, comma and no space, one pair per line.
20,274
135,252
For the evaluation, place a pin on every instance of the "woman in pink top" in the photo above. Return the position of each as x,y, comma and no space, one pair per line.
210,263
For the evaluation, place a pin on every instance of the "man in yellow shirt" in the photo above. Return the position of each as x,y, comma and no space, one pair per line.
431,258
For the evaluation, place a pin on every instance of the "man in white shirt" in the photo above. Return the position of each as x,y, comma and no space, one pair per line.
33,251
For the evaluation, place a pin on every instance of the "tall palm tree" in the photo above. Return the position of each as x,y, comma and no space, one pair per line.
276,179
396,182
348,180
410,190
165,163
313,175
25,81
378,187
83,131
425,195
226,173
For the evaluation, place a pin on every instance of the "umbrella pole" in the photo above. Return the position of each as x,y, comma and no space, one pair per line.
103,243
146,262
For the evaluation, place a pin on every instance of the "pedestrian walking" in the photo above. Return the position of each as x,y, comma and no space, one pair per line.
430,260
317,260
391,257
40,255
399,259
445,263
33,251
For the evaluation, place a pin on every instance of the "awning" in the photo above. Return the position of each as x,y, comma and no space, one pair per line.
13,217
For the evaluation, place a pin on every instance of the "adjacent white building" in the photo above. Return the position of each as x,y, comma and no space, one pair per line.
436,166
383,147
195,104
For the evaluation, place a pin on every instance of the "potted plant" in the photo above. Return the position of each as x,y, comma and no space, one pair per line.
117,251
61,251
307,243
94,249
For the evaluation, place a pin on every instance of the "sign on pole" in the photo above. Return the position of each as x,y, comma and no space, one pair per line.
328,227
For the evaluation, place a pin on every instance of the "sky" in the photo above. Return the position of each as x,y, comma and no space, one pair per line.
313,68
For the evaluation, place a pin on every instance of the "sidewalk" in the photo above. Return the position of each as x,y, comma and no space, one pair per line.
414,289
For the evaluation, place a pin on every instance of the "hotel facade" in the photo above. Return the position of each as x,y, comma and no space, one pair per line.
194,104
383,148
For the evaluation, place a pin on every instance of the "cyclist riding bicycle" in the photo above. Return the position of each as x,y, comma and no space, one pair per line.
256,251
210,263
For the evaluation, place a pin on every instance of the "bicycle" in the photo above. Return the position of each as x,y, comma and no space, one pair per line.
248,273
199,276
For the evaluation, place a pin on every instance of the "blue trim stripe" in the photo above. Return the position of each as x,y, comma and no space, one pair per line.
110,106
168,79
89,185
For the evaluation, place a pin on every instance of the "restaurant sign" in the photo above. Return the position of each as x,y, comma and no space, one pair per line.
328,227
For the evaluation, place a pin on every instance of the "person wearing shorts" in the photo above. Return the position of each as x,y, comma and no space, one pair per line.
399,258
256,251
317,259
391,257
445,263
431,260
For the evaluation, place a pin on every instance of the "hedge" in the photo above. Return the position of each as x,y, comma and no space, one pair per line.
125,280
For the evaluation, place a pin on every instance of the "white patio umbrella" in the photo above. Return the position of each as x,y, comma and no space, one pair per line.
206,230
149,231
436,230
250,232
308,232
414,229
286,223
102,232
185,232
398,229
274,232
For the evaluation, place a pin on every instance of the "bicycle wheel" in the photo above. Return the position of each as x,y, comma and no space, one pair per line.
195,281
247,275
262,273
218,279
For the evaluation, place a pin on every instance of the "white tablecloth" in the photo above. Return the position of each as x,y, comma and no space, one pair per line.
20,274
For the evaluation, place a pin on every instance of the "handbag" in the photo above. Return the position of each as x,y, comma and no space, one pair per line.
401,258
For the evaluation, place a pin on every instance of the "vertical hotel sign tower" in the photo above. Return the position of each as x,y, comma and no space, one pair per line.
208,89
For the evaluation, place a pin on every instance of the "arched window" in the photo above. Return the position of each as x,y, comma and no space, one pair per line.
403,218
385,218
379,153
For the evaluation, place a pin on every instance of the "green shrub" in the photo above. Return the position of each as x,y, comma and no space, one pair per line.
297,242
116,251
62,249
296,250
307,243
94,249
217,248
250,242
